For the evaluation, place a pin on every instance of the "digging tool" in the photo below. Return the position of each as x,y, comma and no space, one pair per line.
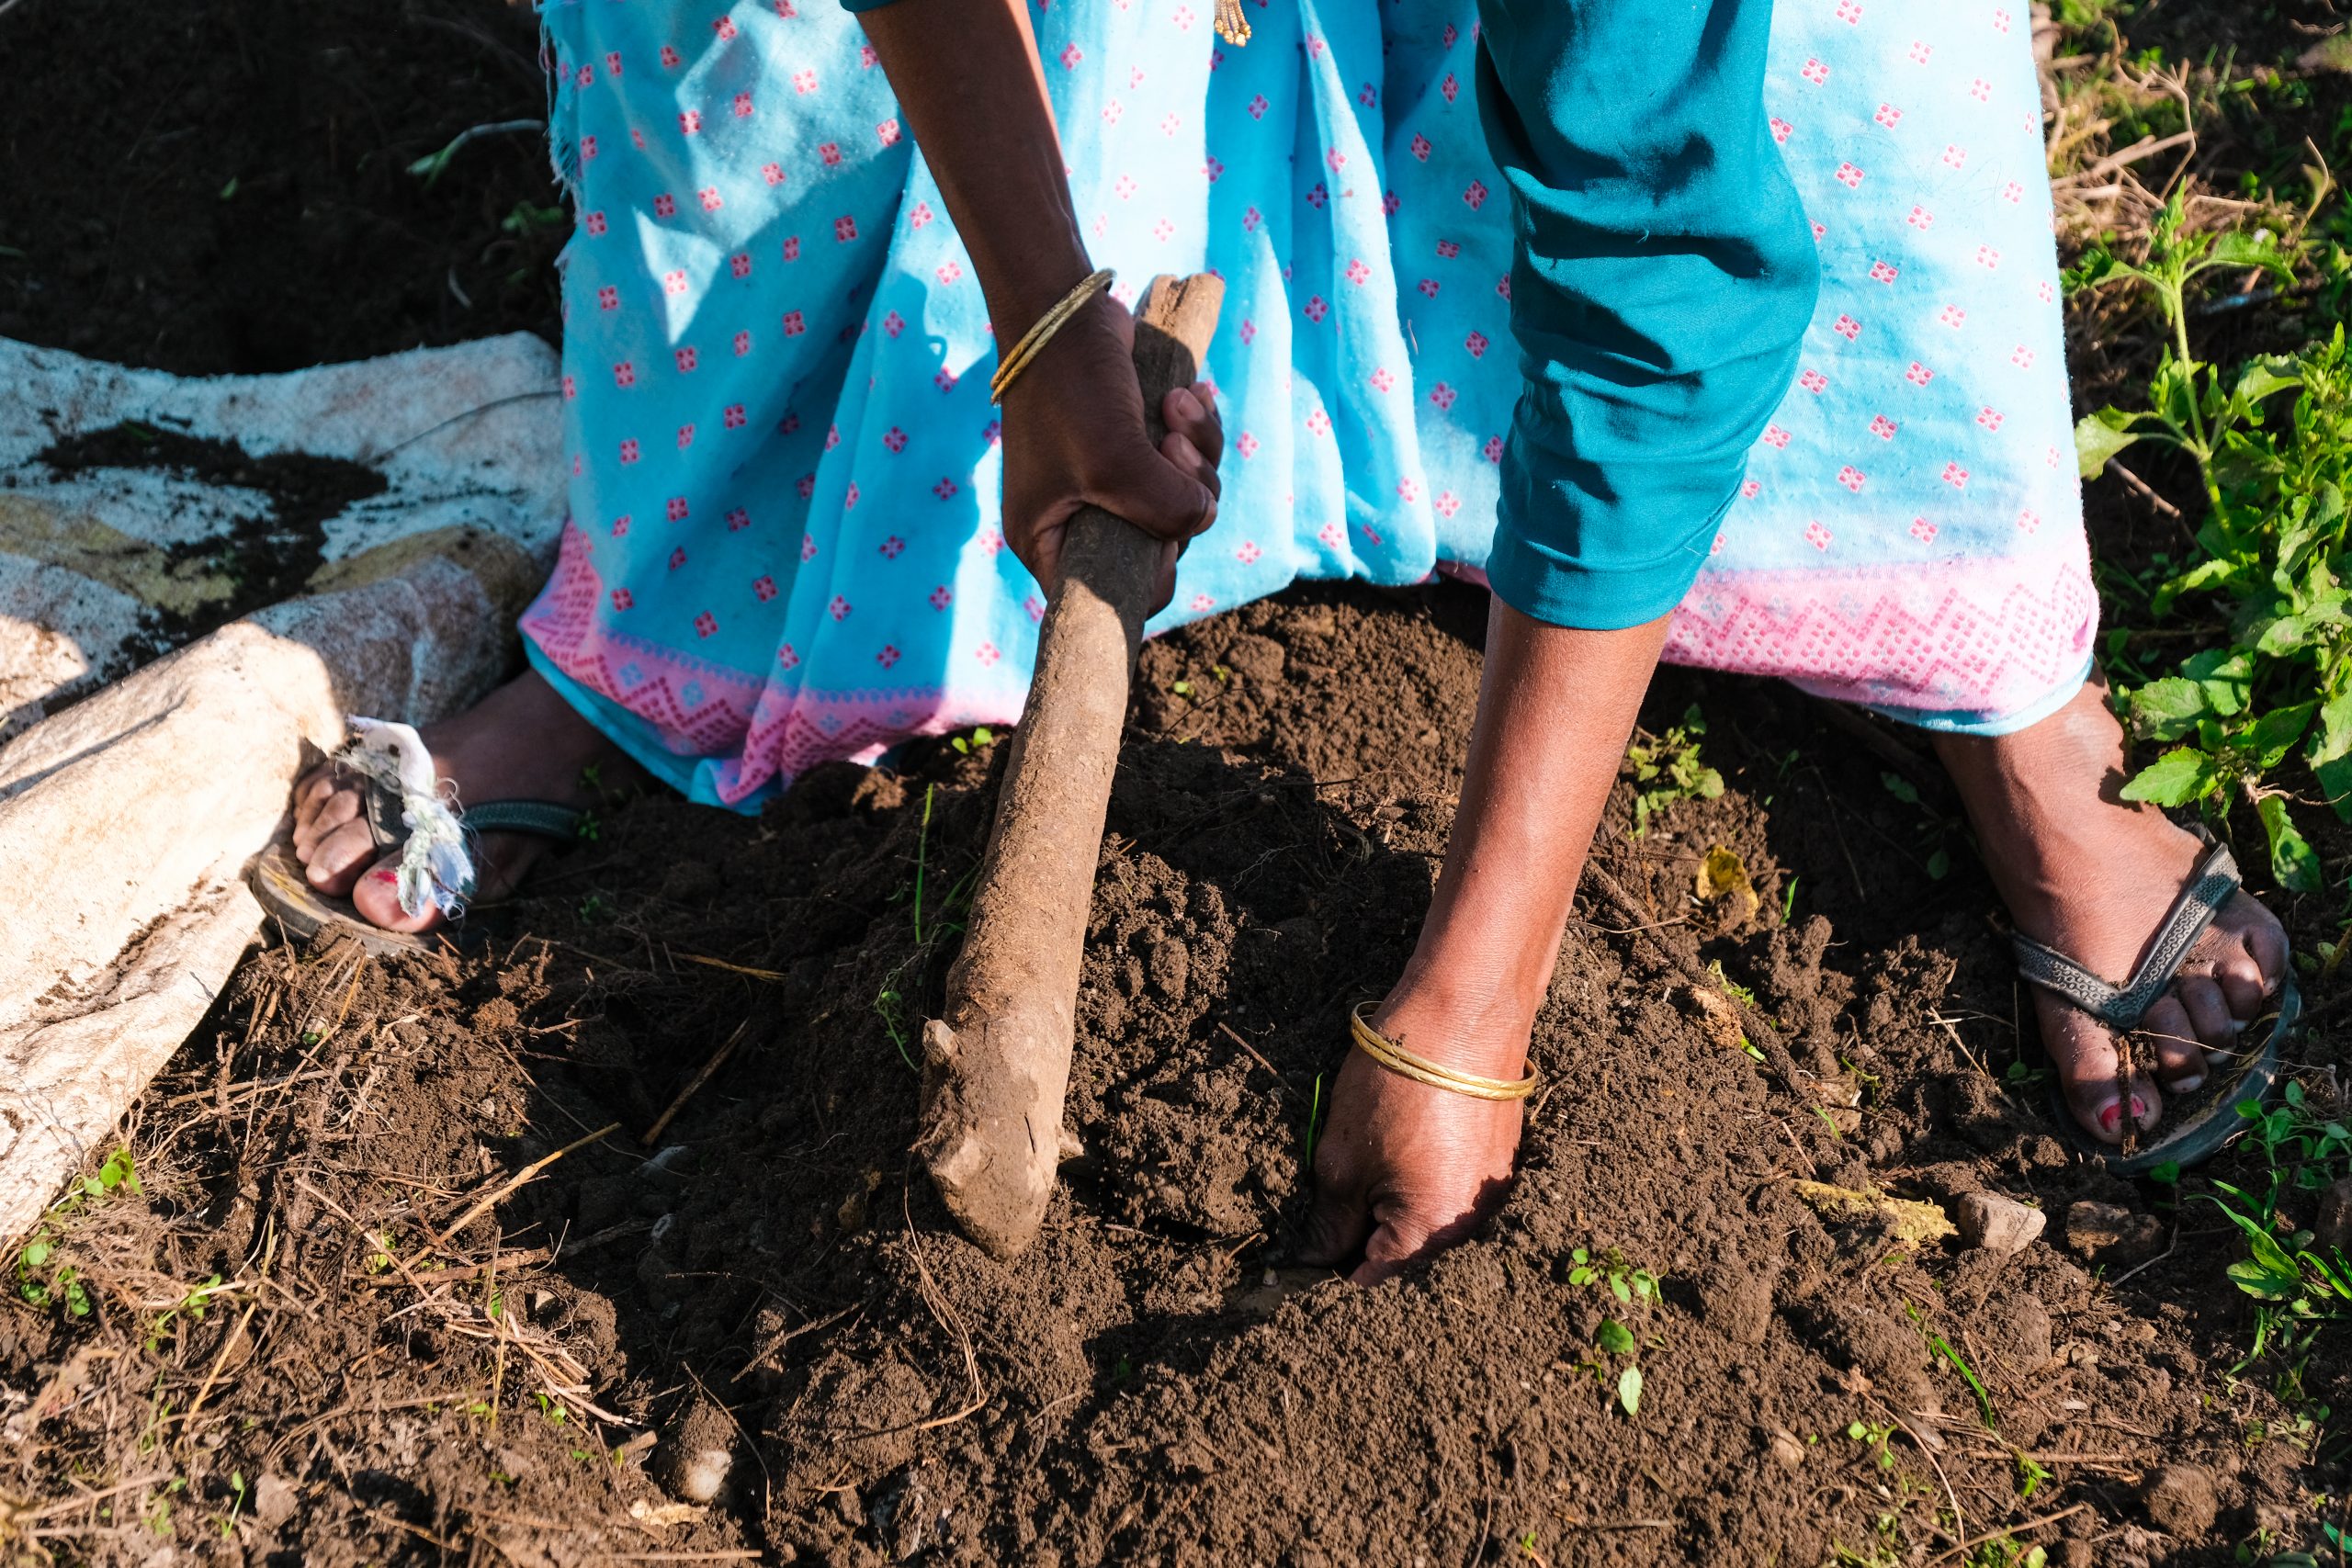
996,1065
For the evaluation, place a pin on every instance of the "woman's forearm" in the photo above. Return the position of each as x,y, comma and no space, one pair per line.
967,79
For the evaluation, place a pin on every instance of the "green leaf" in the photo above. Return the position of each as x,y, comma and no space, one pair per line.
2292,859
2275,733
1629,1390
2227,676
2172,388
2331,752
36,1254
2261,378
2177,777
2264,1284
2283,638
1615,1337
2098,436
1903,789
2258,248
2169,708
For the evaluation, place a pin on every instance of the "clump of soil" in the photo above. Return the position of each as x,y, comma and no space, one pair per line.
755,1332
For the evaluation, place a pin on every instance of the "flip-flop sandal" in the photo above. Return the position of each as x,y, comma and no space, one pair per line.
2212,1117
280,883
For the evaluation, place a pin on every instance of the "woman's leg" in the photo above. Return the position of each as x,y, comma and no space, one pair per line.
2091,875
1404,1169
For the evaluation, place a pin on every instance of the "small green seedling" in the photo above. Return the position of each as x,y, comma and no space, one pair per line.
530,217
1667,769
1875,1435
980,739
1626,1282
40,1279
190,1306
890,1006
1314,1122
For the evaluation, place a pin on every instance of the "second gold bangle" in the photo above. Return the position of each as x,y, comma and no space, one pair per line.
1010,366
1421,1069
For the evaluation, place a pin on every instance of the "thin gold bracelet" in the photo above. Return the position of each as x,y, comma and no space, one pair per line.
1421,1069
1033,341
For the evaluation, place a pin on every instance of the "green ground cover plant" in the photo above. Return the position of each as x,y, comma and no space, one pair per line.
2270,678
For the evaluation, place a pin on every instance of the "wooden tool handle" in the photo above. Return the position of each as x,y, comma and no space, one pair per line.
996,1067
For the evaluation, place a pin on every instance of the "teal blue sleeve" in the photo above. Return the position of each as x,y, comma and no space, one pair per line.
1663,276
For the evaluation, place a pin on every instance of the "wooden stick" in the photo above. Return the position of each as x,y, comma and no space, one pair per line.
507,1187
702,1076
996,1065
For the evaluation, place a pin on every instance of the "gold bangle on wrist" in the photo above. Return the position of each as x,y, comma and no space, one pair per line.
1010,366
1421,1069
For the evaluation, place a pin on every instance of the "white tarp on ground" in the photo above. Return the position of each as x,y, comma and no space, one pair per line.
126,815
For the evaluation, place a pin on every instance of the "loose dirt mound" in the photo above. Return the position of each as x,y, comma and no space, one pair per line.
770,1287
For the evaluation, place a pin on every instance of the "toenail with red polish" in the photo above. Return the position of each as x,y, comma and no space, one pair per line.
2138,1110
388,874
2112,1115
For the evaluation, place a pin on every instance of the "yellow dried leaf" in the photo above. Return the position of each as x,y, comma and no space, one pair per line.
1915,1221
1723,874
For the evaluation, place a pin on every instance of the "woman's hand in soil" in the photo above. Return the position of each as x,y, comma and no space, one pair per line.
1403,1170
1074,436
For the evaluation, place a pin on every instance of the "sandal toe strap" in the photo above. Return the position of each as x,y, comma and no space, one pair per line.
540,818
2122,1007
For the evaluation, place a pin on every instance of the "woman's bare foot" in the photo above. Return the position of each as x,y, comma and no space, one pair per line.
2091,875
522,742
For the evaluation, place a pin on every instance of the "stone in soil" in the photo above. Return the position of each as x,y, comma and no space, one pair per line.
2332,1228
1997,1224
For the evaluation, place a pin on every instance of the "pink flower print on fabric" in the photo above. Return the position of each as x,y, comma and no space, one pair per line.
775,686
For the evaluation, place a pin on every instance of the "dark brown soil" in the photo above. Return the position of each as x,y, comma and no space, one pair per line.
269,556
306,1339
222,186
1154,1383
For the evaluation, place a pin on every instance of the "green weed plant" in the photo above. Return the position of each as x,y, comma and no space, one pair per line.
1667,769
43,1280
2272,444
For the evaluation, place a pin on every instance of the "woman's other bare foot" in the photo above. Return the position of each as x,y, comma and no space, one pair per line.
2091,875
521,742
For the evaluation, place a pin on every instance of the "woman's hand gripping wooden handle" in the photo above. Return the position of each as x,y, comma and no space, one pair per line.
996,1067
